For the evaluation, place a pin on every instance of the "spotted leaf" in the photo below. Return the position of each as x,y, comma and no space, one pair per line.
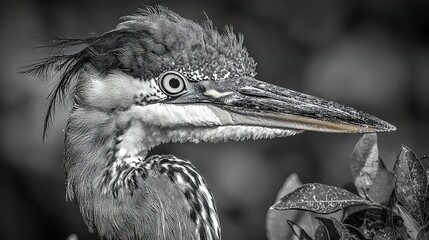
276,226
319,198
370,175
411,183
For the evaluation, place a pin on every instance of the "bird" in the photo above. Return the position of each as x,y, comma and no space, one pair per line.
157,78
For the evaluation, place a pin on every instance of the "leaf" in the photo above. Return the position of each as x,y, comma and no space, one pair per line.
383,185
342,230
363,162
368,220
276,226
387,233
409,222
423,233
356,218
72,237
321,232
319,198
330,228
298,231
370,175
426,210
375,219
355,233
411,183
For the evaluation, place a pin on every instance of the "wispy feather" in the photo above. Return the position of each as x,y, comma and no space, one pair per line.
63,68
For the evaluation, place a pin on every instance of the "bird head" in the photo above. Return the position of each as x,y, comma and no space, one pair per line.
190,83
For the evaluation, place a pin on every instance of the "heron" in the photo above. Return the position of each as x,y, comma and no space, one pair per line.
157,78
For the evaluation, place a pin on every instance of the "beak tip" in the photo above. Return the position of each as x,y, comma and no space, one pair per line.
384,127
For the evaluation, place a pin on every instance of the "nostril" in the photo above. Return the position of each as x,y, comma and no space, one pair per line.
253,92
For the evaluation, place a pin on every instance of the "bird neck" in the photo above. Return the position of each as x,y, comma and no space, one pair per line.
98,141
199,198
97,145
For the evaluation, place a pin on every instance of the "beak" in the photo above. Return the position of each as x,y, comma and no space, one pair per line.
247,101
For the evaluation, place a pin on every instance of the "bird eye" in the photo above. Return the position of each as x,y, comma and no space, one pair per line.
173,83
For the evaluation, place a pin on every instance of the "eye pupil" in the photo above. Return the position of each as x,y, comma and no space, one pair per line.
174,83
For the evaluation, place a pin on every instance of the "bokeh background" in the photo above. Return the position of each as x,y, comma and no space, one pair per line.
372,55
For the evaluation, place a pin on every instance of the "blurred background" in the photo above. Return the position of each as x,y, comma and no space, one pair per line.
372,55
